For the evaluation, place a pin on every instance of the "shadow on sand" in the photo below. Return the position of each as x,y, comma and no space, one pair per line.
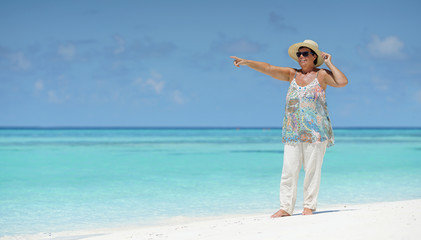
327,211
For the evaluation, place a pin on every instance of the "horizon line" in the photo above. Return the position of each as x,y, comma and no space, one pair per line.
195,127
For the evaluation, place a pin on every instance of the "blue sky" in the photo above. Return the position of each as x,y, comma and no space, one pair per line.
166,63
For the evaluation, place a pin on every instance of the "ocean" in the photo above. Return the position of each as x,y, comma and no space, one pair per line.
59,179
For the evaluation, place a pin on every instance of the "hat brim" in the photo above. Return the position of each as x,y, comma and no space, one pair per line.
292,51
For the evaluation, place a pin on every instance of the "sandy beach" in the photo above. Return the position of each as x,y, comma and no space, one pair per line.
388,220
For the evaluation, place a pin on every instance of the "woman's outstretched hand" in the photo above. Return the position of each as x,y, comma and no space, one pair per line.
238,61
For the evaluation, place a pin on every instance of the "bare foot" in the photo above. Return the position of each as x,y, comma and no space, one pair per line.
280,213
307,211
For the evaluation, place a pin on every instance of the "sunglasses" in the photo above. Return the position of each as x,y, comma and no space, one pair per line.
305,54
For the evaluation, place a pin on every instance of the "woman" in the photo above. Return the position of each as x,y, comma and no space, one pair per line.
307,130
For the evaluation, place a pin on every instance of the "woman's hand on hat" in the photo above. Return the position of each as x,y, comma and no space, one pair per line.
326,57
238,61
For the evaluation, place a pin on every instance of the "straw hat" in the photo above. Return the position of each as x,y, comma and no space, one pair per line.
292,51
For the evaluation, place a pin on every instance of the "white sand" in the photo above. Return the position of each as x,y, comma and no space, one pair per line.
391,220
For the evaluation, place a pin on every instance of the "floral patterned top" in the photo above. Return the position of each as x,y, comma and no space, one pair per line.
306,115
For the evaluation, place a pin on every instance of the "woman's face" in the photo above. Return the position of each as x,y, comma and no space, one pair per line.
306,61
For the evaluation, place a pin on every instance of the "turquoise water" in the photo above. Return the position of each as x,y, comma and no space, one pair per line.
69,179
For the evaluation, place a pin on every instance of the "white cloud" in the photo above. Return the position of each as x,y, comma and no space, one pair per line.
155,74
389,48
67,51
121,44
52,96
19,61
39,85
178,97
154,83
138,81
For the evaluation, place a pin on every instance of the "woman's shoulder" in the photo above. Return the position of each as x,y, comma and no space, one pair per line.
292,73
288,73
291,70
323,71
321,76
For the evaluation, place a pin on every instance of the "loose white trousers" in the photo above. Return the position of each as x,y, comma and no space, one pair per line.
309,155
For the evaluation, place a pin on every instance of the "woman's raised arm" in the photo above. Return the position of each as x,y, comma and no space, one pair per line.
334,77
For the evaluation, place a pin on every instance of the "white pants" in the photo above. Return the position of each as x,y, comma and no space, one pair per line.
295,155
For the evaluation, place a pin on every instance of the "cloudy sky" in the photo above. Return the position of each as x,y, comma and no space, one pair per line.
166,63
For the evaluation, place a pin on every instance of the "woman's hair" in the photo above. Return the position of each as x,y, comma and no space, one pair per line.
315,60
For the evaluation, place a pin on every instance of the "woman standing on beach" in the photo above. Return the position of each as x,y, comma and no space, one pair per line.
306,130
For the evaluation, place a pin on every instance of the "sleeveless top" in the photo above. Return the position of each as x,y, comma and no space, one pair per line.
306,115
